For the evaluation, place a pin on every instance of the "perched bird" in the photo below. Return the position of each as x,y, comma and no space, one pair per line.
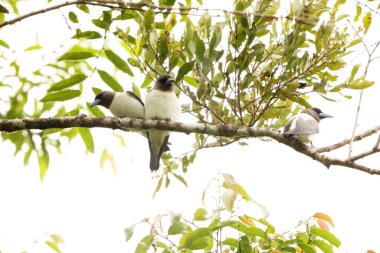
304,125
160,103
126,104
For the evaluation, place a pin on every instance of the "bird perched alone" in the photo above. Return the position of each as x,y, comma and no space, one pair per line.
304,125
160,103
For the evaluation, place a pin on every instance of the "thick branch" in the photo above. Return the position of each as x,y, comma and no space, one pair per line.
11,125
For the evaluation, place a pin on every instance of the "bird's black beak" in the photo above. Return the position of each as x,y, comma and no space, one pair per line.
169,81
323,115
96,102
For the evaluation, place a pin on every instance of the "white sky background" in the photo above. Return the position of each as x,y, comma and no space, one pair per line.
89,207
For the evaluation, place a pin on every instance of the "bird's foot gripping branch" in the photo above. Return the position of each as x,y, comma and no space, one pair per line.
230,131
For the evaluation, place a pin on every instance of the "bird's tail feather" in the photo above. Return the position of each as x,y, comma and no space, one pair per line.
154,163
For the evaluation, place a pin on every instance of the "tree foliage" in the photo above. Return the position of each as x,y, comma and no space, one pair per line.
254,65
225,228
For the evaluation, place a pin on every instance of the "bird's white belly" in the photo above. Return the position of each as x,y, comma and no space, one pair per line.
162,105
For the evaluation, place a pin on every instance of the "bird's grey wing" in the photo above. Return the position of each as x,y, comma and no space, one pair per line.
131,93
302,127
155,158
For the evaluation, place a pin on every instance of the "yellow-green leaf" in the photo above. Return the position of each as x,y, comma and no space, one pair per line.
110,81
75,79
328,236
118,62
367,19
81,55
86,135
61,95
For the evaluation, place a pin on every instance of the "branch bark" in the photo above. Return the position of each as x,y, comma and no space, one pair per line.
12,125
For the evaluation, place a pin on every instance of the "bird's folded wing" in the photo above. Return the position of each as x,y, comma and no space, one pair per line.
303,126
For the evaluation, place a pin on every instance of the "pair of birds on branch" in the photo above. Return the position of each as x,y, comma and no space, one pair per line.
162,103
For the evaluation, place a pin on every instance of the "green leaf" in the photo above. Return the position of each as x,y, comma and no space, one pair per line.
367,19
34,47
148,20
134,62
360,84
176,228
86,135
128,232
73,17
95,110
184,69
173,59
75,79
324,246
3,9
306,248
90,35
327,235
43,161
180,178
83,8
231,242
61,95
158,187
200,214
200,49
191,238
81,55
53,246
110,81
118,62
358,12
354,70
191,81
144,244
4,44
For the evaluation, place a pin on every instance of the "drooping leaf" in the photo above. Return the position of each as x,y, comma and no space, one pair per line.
184,69
367,19
128,232
118,62
306,247
53,246
65,83
144,244
327,235
73,17
4,44
110,81
87,138
323,245
61,95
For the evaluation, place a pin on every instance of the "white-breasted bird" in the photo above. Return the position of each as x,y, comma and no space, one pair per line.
160,103
305,125
126,104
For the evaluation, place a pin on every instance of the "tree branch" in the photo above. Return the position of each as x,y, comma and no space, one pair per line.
12,125
347,141
118,4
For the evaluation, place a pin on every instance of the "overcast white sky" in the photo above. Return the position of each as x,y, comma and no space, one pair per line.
89,207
